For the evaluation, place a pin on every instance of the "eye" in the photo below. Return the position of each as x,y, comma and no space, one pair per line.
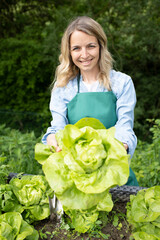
91,46
75,48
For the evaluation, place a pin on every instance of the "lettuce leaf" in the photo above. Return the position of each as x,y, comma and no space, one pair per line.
143,213
12,226
8,201
143,236
91,122
145,206
43,152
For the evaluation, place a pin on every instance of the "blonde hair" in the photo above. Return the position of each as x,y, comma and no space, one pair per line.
67,70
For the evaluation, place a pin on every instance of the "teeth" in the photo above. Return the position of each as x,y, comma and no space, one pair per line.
86,61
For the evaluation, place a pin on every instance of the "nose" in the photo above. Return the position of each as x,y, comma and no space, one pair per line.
84,52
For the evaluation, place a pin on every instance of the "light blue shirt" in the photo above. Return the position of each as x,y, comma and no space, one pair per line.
123,88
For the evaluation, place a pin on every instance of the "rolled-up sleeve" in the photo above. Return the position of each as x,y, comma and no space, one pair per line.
126,101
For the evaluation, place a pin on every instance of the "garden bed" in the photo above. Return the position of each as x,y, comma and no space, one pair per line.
116,228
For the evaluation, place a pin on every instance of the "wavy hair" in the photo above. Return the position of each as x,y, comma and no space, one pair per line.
67,70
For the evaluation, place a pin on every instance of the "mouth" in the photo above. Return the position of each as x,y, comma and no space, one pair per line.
86,62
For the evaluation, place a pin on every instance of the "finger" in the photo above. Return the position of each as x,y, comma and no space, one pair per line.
58,149
125,146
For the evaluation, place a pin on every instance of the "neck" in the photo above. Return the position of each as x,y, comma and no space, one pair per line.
90,77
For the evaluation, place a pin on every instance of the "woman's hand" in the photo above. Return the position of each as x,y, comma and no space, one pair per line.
125,146
51,140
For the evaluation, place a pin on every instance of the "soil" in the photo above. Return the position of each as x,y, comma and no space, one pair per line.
113,230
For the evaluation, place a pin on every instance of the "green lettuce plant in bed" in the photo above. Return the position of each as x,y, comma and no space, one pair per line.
90,163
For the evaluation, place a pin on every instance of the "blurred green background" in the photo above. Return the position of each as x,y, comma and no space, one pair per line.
30,35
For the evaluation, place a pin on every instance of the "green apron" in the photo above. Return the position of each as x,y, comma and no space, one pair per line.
99,105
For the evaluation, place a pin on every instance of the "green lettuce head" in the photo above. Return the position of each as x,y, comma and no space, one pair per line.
90,163
32,192
143,214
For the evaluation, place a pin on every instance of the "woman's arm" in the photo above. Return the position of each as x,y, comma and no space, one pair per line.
126,101
58,109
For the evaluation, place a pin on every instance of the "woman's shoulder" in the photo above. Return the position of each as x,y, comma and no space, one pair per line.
118,81
116,76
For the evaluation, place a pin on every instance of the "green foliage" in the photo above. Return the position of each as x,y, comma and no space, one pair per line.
4,171
146,159
17,151
22,74
24,121
96,232
31,33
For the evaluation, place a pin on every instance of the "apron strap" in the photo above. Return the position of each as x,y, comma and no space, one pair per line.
78,81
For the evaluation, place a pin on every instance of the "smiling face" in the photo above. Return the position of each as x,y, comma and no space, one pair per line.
84,50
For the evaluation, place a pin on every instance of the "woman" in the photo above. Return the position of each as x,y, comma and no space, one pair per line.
86,86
